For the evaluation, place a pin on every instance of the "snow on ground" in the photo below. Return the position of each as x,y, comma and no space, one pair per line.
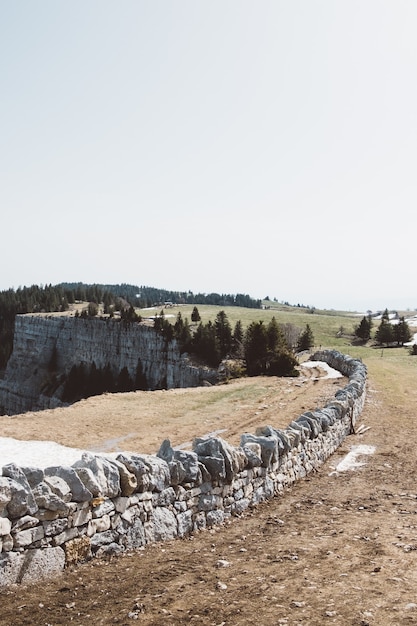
40,454
413,341
350,462
331,373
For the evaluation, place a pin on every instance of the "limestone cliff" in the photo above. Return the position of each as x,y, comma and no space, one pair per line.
71,341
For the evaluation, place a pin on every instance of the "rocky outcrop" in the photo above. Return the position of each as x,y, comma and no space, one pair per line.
104,506
68,341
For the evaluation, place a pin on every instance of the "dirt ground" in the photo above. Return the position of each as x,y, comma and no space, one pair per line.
334,549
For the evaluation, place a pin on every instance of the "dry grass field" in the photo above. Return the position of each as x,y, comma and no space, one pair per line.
335,549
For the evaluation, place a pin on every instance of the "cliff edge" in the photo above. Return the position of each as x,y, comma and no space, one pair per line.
45,349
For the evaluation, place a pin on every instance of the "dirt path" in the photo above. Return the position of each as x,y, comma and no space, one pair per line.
335,549
141,420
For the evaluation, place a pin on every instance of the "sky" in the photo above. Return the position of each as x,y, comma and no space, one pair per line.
266,147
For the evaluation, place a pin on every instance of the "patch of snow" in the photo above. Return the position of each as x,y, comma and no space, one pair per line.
350,462
41,454
413,341
331,373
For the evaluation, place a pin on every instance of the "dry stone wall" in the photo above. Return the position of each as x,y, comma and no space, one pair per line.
99,506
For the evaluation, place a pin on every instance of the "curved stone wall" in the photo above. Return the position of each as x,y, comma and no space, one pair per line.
62,515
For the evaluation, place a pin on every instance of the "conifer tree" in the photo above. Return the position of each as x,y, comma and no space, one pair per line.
363,331
306,340
402,333
195,315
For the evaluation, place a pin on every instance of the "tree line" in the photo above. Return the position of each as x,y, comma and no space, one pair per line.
387,334
264,348
121,297
143,296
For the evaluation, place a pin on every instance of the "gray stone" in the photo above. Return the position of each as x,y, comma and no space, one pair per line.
59,487
166,451
189,461
216,448
215,466
111,549
215,518
5,526
269,447
22,501
10,565
165,525
135,535
270,431
67,535
41,564
46,499
177,472
104,471
103,538
25,538
136,466
240,506
159,474
164,498
209,502
55,527
5,493
185,523
25,522
69,475
104,508
89,480
34,475
253,453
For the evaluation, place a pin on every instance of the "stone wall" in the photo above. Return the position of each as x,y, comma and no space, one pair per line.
62,515
74,341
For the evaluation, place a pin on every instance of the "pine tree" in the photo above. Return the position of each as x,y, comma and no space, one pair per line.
256,348
306,340
276,338
402,332
385,332
223,333
237,340
195,315
363,331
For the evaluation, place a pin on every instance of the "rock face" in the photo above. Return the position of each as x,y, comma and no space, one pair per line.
72,341
61,515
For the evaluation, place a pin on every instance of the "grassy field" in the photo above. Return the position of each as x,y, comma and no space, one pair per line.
324,324
391,368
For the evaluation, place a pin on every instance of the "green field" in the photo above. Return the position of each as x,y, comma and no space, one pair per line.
391,368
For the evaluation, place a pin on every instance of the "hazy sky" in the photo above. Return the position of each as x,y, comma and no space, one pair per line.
266,147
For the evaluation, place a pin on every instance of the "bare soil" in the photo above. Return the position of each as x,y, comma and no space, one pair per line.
334,549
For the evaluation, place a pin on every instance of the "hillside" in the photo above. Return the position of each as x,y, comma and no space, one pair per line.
336,548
